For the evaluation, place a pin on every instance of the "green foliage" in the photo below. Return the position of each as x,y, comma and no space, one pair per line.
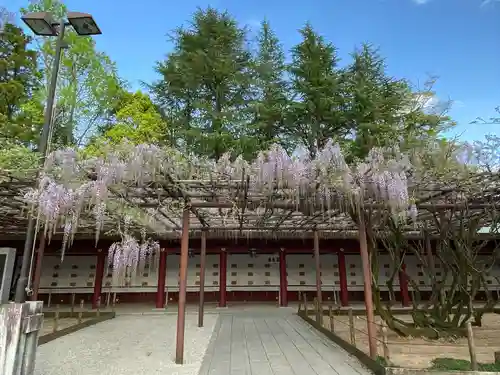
381,361
88,80
316,113
216,92
382,110
376,101
15,157
206,85
135,118
20,112
218,96
271,100
452,364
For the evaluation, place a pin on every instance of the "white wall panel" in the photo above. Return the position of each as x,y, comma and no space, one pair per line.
77,273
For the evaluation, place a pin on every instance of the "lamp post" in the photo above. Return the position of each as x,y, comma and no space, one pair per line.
42,23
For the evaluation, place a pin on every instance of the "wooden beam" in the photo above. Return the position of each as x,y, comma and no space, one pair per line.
203,252
181,315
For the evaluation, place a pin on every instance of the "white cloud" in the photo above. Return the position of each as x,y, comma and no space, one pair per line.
483,2
426,101
487,2
253,23
429,104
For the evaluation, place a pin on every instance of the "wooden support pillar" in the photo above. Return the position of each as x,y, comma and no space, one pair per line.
403,286
283,279
162,274
99,275
203,256
367,281
223,278
344,295
181,315
317,262
38,268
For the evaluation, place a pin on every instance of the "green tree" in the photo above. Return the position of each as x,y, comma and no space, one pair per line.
382,110
88,80
134,118
19,80
205,85
316,113
271,100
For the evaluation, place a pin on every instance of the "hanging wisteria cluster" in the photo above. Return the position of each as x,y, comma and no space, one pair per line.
129,258
72,185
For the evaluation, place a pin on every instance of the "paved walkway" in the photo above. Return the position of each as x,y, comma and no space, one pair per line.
273,343
247,341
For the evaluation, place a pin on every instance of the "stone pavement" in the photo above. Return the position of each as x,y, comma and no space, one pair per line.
273,343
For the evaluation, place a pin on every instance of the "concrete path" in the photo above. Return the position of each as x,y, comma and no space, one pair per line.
273,343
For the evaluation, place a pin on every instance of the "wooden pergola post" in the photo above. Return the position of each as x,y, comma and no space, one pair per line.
223,278
203,253
181,315
344,293
367,280
162,274
99,275
317,262
283,279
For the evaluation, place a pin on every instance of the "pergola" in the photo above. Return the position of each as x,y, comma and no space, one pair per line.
233,208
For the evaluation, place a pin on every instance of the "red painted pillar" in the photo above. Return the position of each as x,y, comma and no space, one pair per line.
162,273
344,296
222,278
403,286
99,274
283,279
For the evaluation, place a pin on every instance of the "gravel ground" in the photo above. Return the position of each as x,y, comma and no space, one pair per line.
127,345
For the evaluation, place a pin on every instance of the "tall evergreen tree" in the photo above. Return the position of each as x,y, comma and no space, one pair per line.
316,113
382,110
376,101
206,85
271,102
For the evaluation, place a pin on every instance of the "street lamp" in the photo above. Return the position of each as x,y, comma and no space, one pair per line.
83,24
42,23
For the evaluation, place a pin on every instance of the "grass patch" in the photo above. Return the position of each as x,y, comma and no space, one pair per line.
381,361
451,364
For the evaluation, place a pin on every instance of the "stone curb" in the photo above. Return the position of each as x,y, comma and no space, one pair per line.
66,331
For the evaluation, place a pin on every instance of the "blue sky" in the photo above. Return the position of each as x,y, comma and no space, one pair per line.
456,40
